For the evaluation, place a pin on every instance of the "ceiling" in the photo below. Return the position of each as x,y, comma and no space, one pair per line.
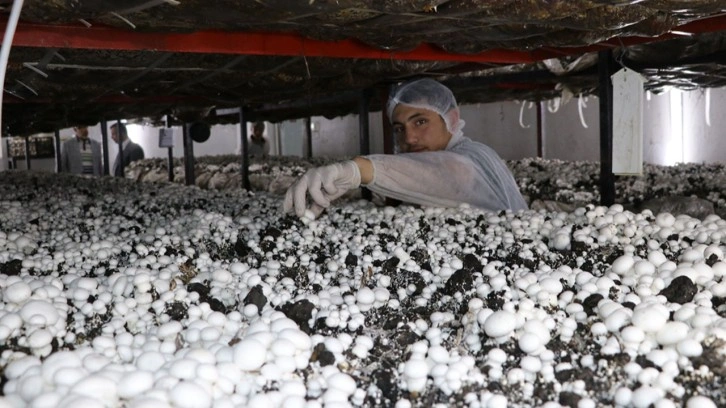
82,61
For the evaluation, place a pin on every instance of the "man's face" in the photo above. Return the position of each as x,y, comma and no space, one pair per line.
258,131
419,129
114,134
81,131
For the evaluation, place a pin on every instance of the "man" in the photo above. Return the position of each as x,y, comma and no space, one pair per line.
81,154
438,166
130,151
258,145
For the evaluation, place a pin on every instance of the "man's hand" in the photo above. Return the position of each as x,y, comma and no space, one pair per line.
323,184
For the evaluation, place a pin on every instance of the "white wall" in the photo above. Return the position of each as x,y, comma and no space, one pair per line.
657,136
292,138
223,139
497,125
340,137
566,136
48,165
704,125
510,128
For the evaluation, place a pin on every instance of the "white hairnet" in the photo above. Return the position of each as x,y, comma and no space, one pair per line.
428,94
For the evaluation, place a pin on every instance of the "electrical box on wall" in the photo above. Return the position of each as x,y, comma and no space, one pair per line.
166,137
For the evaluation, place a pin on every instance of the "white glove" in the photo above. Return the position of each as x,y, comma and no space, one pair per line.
324,184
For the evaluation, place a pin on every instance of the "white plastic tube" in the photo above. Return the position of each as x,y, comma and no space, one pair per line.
582,103
521,116
707,111
5,54
553,105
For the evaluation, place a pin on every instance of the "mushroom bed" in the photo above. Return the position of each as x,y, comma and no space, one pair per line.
115,293
695,189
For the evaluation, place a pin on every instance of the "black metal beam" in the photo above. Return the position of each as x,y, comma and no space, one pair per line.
363,126
56,142
188,156
303,105
104,147
170,159
389,141
245,163
119,142
607,178
540,129
364,130
309,137
485,81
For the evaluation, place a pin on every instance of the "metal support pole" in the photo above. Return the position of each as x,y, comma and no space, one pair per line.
540,129
607,178
364,130
388,140
188,156
170,160
120,142
245,159
104,147
309,136
363,126
27,153
56,141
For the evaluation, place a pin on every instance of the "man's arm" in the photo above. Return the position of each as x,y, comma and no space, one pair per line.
366,169
441,179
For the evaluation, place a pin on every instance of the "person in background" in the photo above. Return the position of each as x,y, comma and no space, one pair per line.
81,154
130,151
257,144
437,165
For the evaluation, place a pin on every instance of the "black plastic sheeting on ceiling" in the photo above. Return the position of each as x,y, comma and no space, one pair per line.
86,86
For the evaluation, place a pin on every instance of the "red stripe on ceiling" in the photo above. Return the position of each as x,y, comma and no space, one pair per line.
289,44
239,43
704,25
